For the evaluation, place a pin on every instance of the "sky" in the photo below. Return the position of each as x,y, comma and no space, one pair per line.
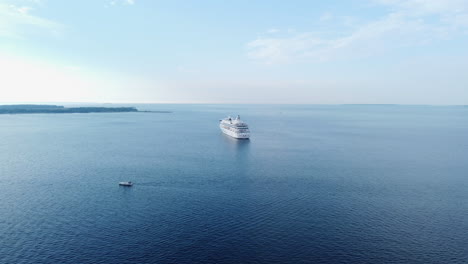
242,51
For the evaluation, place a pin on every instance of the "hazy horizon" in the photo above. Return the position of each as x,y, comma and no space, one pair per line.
214,103
244,52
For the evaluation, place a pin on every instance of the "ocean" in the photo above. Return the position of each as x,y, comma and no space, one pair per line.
314,184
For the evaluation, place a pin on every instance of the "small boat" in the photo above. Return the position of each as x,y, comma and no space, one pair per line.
127,183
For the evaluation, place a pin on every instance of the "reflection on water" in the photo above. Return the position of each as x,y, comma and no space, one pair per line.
241,150
240,146
234,143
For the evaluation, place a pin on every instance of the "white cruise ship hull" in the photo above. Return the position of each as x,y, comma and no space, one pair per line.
234,134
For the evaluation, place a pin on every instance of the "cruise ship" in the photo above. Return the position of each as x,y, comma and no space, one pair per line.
234,128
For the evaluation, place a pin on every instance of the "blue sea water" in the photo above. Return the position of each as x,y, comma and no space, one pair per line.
315,184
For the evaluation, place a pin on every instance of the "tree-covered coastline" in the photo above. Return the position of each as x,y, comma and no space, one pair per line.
58,109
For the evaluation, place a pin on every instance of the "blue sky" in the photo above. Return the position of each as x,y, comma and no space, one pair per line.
321,52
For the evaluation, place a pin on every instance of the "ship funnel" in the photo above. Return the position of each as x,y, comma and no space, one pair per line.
238,117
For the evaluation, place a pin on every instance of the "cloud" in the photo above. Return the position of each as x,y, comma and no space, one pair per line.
451,13
121,2
17,21
326,16
273,30
273,50
24,10
407,23
419,7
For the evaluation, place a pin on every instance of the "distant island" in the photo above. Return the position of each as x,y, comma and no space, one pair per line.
58,109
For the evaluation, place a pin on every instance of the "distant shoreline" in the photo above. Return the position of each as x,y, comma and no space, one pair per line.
58,109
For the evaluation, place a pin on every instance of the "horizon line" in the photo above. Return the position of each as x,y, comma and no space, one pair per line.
220,103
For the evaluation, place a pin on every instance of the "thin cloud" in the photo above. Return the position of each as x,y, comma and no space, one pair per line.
326,16
17,21
407,23
121,2
24,10
273,30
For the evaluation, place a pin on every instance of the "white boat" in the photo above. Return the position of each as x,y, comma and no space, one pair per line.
127,183
234,128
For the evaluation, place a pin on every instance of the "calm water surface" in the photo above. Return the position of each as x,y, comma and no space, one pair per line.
315,184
